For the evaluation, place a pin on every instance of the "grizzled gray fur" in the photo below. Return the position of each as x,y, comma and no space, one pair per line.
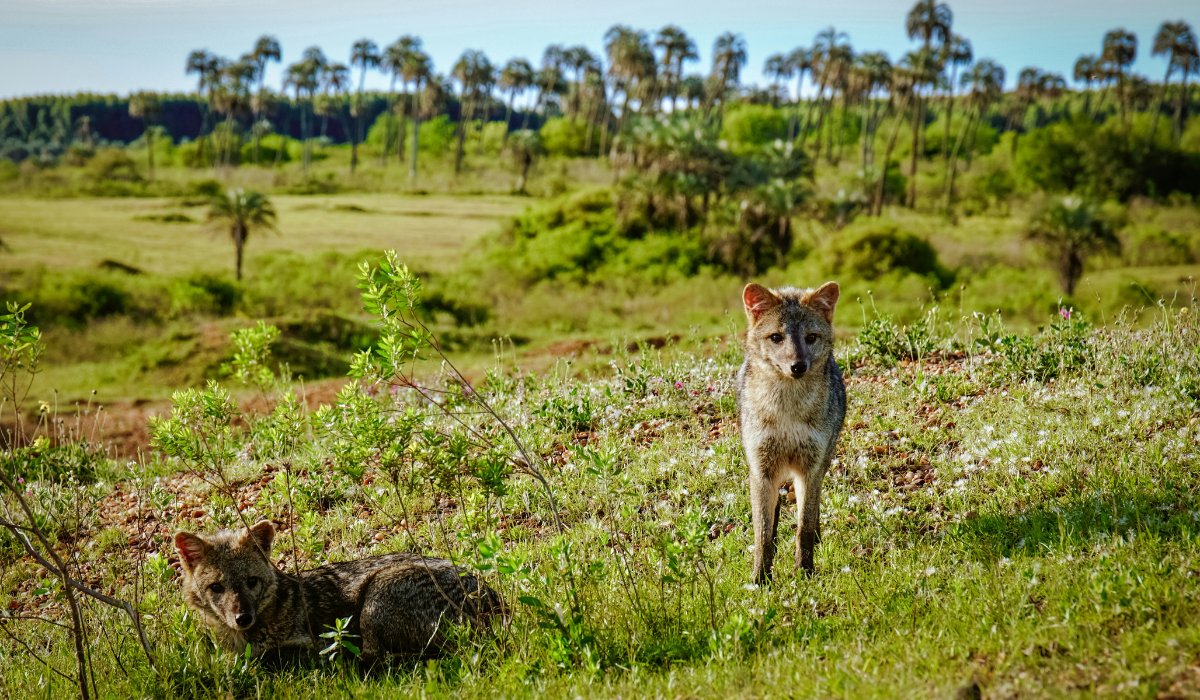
791,405
400,604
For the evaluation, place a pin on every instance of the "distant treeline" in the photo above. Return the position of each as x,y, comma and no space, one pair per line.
106,118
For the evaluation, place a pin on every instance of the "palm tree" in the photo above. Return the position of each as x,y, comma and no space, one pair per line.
1178,42
418,69
1031,82
729,57
1120,49
207,67
779,69
826,55
874,73
241,212
526,146
678,48
580,60
364,54
955,53
305,76
1087,71
630,62
1072,230
986,82
230,96
475,74
266,49
516,78
144,106
929,20
923,68
800,60
904,81
394,60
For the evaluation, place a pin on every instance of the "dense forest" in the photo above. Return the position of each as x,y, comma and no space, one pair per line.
640,75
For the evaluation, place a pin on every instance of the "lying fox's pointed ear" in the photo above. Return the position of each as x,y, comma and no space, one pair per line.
192,549
261,534
824,299
758,300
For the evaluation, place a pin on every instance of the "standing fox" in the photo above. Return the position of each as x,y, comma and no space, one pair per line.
791,405
398,603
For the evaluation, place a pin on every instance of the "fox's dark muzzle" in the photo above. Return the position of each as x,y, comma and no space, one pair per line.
244,620
799,368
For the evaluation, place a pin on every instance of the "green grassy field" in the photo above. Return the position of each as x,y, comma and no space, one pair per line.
69,233
1003,519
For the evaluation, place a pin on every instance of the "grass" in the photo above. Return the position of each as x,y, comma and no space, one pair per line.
73,233
981,528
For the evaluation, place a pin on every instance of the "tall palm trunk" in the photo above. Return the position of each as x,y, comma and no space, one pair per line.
813,105
387,132
239,244
1162,93
402,122
949,123
463,119
887,155
1183,89
952,163
150,149
412,173
512,96
254,127
918,119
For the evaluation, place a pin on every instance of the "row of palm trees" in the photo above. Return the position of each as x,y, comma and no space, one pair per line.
644,74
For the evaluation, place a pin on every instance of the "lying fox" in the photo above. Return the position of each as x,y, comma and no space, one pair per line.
399,604
791,406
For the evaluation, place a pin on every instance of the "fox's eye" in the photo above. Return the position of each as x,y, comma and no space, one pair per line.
811,338
217,589
252,582
776,338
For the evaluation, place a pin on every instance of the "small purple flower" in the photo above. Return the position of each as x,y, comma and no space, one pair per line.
695,393
678,385
20,480
1065,313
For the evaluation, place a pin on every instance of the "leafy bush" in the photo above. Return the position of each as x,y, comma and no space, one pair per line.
753,125
881,339
565,137
874,248
1150,245
1062,348
1102,161
578,238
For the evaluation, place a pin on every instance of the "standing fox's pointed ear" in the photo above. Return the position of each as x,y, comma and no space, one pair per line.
192,548
260,535
758,301
824,299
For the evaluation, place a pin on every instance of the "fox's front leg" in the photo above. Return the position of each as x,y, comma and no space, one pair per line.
764,513
808,517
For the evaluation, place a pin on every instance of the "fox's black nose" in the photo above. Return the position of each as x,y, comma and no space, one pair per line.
799,369
244,619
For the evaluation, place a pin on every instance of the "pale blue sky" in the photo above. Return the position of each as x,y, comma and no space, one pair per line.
58,46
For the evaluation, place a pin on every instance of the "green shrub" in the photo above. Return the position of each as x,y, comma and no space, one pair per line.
272,148
753,125
564,137
872,249
1149,245
881,339
437,135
